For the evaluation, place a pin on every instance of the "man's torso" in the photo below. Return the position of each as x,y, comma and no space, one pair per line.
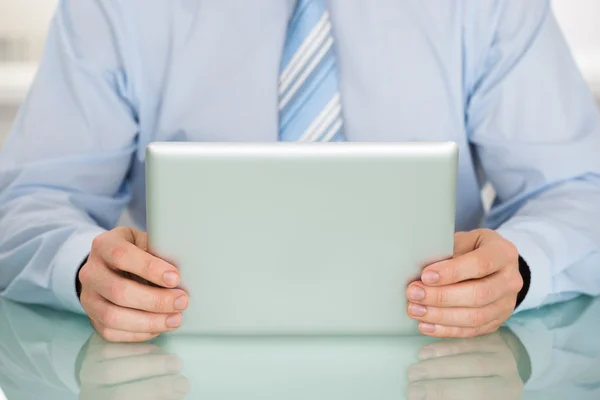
208,71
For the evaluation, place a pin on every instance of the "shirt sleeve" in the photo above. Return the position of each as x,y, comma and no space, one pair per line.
535,129
63,170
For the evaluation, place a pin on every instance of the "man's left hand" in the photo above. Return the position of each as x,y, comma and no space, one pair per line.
472,294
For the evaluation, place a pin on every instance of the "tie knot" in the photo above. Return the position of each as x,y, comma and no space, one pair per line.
304,5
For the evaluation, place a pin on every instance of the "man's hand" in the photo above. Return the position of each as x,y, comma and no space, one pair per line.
117,291
472,294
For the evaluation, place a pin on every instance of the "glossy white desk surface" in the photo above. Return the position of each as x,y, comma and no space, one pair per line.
552,353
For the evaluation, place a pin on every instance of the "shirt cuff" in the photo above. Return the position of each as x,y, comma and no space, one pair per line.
66,266
539,266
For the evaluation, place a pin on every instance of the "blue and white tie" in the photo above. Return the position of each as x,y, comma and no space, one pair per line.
310,108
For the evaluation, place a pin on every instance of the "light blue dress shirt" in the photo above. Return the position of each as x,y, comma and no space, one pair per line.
494,76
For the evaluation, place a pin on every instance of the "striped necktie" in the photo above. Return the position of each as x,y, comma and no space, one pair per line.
310,108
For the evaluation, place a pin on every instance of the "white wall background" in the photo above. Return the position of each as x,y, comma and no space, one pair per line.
25,16
26,19
580,20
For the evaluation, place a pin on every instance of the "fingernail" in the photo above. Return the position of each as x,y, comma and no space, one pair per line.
181,303
415,293
427,328
416,392
174,364
430,277
426,354
416,374
173,321
171,278
417,310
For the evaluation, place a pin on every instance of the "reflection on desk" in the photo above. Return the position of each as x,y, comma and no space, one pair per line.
550,353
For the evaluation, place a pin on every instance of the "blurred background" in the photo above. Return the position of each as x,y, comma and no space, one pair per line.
23,25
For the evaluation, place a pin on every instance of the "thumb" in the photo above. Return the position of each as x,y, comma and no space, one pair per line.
138,238
466,242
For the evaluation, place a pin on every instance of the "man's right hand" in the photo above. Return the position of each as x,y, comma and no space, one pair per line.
120,306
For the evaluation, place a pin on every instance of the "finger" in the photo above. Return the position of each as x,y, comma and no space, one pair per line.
127,319
441,331
479,263
116,336
493,388
127,293
484,344
476,293
122,255
168,387
465,366
467,317
121,370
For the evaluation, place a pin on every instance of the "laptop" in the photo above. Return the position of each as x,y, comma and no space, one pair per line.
300,238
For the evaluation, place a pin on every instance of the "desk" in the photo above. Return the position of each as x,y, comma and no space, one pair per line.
552,353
